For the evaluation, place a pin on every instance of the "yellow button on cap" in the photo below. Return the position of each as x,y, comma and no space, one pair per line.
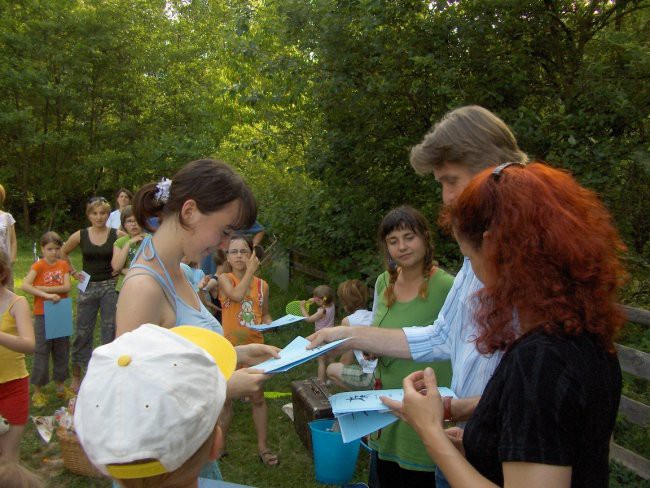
124,360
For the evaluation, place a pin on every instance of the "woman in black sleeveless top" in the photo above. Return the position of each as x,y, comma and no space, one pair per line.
96,243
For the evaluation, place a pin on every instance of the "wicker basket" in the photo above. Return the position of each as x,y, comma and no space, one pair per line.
74,457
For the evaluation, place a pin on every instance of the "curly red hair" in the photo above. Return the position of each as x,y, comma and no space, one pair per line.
552,255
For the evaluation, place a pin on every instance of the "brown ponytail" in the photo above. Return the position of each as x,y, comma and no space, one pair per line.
211,184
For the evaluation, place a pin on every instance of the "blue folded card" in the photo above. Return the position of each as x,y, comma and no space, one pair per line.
287,319
360,413
58,318
295,353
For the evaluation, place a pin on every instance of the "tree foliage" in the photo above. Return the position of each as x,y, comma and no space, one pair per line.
317,102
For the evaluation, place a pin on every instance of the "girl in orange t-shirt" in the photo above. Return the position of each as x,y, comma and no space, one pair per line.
48,279
245,301
16,340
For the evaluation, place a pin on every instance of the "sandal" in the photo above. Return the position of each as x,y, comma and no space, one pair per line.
65,393
39,400
269,458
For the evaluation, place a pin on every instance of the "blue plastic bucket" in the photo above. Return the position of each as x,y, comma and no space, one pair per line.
334,461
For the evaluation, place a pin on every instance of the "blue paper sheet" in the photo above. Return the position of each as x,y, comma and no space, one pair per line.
295,353
287,319
368,400
355,425
58,318
206,483
361,412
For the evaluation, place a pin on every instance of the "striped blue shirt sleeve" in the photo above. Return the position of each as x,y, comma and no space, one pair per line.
434,342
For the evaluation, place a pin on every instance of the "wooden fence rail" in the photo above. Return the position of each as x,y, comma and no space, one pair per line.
636,363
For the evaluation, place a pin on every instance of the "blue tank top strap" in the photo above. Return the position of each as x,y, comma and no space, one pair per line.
148,252
185,314
171,297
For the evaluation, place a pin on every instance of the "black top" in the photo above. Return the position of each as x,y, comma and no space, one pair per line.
552,400
97,259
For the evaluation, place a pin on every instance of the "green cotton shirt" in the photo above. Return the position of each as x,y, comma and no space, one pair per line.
133,249
398,442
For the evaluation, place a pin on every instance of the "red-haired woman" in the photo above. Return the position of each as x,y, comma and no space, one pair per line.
547,251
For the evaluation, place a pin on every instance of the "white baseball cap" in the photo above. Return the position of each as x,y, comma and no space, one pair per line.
152,393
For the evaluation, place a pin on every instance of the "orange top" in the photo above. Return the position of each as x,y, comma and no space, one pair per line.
12,363
249,311
48,275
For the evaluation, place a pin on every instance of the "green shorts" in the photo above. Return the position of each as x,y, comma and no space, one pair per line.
353,376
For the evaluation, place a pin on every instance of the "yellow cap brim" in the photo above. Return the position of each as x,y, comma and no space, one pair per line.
135,471
217,346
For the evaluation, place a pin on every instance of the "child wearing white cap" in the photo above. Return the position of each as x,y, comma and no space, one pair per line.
147,410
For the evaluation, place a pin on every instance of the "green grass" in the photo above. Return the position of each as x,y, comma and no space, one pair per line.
242,465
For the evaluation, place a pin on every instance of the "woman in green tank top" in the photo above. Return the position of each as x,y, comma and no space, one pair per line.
410,293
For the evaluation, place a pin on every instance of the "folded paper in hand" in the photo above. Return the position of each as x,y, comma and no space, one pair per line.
361,412
287,319
295,353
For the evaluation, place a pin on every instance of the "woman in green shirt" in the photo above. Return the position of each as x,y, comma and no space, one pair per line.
410,293
125,248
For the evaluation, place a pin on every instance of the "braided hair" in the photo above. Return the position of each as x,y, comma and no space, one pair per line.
401,218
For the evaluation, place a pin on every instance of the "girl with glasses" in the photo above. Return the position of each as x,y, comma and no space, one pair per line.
244,302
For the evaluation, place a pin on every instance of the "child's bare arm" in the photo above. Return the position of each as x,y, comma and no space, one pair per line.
64,288
24,342
315,316
28,287
237,293
13,244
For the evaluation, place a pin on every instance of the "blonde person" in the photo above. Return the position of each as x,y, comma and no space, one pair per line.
198,211
16,340
8,241
96,245
146,414
125,247
354,369
324,317
244,302
48,279
123,198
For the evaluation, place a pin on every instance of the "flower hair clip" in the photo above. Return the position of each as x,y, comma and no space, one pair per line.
162,190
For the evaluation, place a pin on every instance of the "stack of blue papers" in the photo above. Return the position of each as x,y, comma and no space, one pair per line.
287,319
360,413
295,353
